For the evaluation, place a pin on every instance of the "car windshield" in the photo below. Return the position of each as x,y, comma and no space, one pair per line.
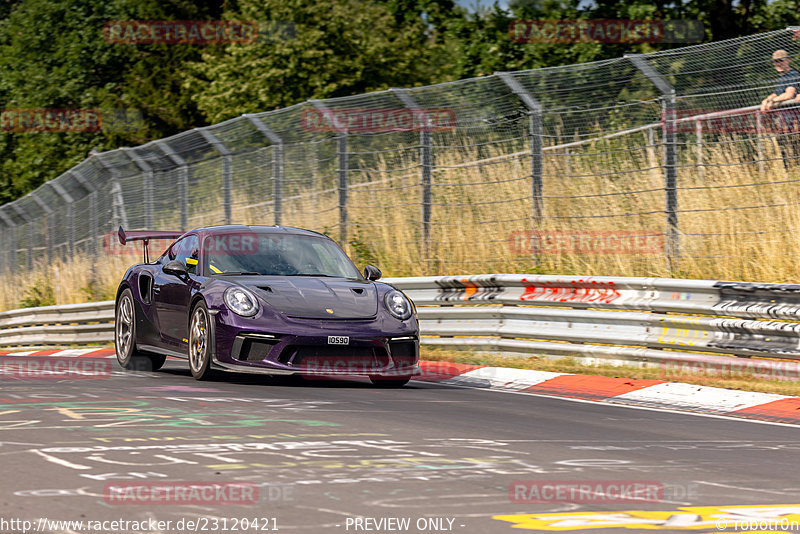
269,253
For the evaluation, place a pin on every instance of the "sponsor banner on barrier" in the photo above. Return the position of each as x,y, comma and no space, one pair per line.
586,242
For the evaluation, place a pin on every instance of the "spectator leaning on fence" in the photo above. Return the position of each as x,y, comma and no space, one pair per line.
787,83
785,91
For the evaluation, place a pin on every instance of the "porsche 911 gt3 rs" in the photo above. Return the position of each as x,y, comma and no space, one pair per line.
263,299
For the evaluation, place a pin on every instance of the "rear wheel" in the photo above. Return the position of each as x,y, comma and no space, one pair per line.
128,356
200,342
389,382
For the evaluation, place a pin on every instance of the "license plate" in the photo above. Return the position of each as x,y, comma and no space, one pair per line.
338,340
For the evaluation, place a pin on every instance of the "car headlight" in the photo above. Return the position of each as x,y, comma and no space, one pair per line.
398,305
241,301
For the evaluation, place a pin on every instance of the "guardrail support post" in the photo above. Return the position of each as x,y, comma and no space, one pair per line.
226,154
669,105
343,170
183,181
277,164
536,127
426,171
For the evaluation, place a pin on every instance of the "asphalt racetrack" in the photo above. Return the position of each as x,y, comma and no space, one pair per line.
161,452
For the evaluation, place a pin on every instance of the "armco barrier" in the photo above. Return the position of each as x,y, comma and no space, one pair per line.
644,319
92,322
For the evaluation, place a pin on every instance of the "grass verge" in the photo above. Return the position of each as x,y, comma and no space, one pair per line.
735,381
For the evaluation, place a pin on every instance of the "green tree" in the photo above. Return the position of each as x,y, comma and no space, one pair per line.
53,55
339,48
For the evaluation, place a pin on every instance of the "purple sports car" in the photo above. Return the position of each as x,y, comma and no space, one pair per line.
263,299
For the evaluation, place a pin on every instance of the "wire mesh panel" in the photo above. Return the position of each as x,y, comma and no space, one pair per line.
657,164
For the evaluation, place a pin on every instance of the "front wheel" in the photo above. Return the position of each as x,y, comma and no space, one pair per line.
128,356
200,342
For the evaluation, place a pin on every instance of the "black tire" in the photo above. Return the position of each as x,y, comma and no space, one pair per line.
128,356
386,382
201,340
157,360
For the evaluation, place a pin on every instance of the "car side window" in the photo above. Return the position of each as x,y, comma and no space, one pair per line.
186,251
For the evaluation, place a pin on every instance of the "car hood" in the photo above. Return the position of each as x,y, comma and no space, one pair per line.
316,298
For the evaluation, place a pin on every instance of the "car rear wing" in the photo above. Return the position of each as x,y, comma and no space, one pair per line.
145,236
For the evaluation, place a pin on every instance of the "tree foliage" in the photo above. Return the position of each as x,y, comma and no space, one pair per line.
53,55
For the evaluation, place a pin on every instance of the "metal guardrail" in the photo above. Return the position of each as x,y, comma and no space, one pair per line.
92,322
643,319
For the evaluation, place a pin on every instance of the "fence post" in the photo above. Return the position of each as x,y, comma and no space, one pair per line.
698,129
536,126
220,147
183,181
50,224
92,191
669,105
277,164
426,170
148,185
9,243
59,189
117,200
25,217
343,171
759,141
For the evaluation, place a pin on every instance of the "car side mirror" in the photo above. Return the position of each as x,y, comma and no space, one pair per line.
372,273
175,267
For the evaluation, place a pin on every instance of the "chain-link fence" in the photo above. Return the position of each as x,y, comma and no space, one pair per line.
655,164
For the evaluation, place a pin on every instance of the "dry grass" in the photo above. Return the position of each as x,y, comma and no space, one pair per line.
602,187
79,280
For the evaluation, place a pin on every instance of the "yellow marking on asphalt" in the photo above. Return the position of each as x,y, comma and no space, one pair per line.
707,518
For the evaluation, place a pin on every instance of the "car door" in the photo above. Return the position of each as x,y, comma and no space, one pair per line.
172,294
